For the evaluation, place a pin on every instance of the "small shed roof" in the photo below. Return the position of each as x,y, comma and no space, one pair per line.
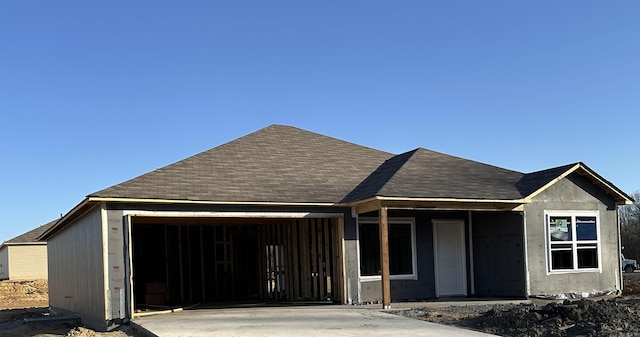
31,236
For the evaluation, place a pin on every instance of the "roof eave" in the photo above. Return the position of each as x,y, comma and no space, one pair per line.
78,210
39,243
208,202
90,201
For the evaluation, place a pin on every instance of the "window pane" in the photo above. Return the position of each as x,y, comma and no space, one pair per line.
588,258
586,228
562,259
369,250
400,254
560,228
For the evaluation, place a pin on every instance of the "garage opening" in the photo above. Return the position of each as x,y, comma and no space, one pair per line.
178,261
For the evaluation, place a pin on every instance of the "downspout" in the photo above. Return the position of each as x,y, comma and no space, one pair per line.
618,272
105,263
526,255
128,276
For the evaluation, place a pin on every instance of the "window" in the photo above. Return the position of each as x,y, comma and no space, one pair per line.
573,240
401,248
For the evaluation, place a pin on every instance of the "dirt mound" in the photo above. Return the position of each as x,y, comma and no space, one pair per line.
24,294
30,299
608,317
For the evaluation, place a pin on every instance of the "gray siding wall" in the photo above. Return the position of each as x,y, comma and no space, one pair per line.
27,262
4,263
76,270
424,287
498,254
572,193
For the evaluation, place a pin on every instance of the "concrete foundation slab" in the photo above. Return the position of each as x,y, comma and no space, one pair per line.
305,321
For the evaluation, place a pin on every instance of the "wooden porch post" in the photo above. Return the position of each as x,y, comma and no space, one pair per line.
384,258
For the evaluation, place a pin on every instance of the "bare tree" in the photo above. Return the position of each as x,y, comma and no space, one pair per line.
630,228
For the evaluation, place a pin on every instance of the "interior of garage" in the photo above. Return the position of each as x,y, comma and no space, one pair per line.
184,261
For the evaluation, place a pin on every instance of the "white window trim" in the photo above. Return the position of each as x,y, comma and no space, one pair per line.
573,214
414,255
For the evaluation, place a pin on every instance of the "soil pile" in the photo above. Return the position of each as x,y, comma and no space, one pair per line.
23,294
608,317
30,299
618,316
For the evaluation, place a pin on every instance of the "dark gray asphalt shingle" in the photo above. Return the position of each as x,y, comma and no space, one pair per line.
533,181
286,164
423,173
32,235
274,164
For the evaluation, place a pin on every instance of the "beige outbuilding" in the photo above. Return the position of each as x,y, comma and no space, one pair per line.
24,257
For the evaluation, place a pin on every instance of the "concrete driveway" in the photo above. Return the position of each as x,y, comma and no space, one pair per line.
304,321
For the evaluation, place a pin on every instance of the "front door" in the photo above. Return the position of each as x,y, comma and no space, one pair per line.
450,261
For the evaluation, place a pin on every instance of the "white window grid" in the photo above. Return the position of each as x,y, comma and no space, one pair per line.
574,245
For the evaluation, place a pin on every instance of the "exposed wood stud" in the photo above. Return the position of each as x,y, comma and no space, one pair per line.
202,269
305,260
261,262
279,264
166,259
268,262
326,261
295,251
314,258
289,264
180,263
338,262
297,260
319,246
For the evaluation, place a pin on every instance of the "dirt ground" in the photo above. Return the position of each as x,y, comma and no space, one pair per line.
29,299
617,316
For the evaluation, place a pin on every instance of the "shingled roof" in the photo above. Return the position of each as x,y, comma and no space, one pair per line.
284,164
422,173
534,181
275,164
30,236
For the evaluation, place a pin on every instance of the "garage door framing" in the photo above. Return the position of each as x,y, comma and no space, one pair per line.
311,230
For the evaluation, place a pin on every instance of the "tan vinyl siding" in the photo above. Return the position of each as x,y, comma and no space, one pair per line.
4,263
76,269
27,261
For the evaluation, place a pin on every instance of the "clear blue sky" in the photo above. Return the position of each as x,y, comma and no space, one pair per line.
93,93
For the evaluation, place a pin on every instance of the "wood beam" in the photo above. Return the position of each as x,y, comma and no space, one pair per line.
369,206
384,258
